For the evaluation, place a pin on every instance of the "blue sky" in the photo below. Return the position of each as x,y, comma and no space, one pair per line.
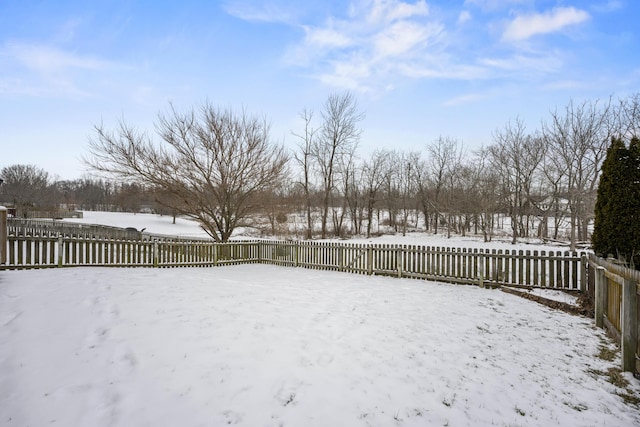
419,69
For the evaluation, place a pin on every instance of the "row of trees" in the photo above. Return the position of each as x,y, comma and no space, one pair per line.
540,178
28,188
221,168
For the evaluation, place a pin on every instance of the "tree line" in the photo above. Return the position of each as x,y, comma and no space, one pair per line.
222,168
543,180
28,187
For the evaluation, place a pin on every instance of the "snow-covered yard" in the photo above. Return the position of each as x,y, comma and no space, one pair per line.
259,345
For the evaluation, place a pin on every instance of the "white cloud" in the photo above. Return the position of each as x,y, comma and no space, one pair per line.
367,47
268,12
327,37
47,59
378,43
400,38
35,70
525,64
385,11
526,26
494,4
465,16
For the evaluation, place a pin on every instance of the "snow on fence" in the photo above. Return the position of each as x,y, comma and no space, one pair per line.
563,270
616,307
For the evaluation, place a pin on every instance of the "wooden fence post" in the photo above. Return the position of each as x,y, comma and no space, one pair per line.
60,250
601,292
3,235
583,273
629,323
481,270
155,252
370,260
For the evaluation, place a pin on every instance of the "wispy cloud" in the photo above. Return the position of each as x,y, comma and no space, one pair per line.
465,99
47,59
371,45
526,26
494,4
463,17
526,63
374,44
608,6
35,69
266,12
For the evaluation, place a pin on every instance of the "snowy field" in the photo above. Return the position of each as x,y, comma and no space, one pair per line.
258,345
152,223
187,228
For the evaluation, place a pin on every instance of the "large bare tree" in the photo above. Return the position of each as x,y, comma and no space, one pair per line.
214,163
338,140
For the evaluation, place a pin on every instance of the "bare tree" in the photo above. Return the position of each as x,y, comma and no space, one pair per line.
516,157
487,194
401,186
355,195
625,117
373,175
339,138
304,157
214,162
579,137
348,177
424,191
345,181
25,186
443,155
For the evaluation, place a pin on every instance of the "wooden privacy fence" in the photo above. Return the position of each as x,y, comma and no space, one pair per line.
616,306
561,270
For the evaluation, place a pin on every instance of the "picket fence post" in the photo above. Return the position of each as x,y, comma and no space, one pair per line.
155,252
60,250
600,296
629,325
481,270
3,235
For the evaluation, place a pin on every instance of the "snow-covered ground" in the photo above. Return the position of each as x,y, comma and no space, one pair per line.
259,345
560,296
265,345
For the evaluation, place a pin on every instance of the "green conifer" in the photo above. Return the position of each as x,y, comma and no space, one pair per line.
617,211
